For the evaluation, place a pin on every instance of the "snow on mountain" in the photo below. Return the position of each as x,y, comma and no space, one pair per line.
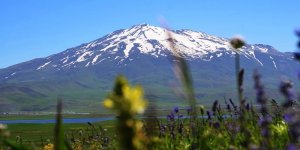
122,47
151,40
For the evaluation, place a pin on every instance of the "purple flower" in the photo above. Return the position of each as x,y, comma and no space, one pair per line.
228,108
215,105
189,110
291,147
260,121
297,31
171,116
286,88
288,118
291,94
264,132
263,121
176,110
248,106
208,115
216,125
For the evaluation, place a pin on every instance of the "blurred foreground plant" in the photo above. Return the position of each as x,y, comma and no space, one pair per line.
127,101
237,43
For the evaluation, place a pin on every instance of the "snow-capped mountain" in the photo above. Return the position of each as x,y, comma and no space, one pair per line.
141,52
150,40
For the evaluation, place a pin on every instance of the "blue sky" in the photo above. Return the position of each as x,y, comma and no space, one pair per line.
38,28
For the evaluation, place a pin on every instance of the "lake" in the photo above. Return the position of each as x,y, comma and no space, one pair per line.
66,120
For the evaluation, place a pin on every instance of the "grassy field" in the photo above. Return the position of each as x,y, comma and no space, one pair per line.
50,116
40,134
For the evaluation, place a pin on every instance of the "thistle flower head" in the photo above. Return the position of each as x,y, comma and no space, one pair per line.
237,42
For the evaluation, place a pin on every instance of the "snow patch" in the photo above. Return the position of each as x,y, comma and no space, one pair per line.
275,66
95,58
219,55
263,49
65,60
253,55
127,49
44,65
82,57
87,64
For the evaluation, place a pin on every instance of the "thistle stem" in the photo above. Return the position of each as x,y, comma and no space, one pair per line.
237,69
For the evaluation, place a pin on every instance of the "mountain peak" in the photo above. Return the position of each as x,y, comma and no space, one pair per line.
148,40
141,25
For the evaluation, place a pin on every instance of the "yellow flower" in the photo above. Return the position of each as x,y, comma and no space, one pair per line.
49,147
139,125
134,98
108,103
126,99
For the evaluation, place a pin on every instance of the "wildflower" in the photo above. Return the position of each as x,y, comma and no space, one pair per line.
3,126
134,95
201,109
189,109
215,105
237,42
291,147
126,98
108,103
176,110
208,115
49,146
3,131
248,106
127,101
171,116
228,108
286,88
216,125
288,118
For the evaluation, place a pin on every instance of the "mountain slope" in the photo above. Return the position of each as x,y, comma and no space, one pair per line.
82,75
